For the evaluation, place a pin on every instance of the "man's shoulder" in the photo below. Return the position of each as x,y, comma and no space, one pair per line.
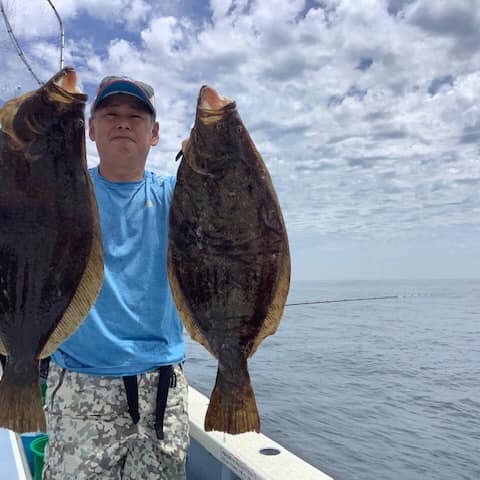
161,181
159,178
155,179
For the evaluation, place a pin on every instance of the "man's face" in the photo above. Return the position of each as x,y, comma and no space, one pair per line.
123,130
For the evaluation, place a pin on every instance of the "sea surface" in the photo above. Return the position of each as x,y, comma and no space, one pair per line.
383,389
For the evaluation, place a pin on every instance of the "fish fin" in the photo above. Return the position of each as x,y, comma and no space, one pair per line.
189,323
7,114
84,297
183,309
21,401
232,408
275,310
194,331
3,350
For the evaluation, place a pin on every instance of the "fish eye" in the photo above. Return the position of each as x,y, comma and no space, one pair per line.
239,129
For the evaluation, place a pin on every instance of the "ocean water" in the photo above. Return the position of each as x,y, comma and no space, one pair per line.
379,389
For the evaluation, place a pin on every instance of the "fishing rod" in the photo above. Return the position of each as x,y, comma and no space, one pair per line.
386,297
62,33
19,50
15,43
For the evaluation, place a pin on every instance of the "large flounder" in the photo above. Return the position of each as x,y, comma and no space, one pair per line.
51,262
228,256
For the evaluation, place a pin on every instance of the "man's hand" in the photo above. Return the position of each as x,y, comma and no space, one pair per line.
185,146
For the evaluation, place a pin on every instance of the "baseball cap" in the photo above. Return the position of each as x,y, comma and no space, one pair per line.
114,84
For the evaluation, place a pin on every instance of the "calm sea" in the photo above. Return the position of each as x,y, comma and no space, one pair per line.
380,389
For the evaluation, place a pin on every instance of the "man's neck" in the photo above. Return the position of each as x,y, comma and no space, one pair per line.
121,174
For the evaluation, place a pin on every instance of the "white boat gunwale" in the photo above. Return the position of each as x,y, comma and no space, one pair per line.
249,456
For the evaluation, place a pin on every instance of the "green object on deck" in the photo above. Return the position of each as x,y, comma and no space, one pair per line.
43,388
38,447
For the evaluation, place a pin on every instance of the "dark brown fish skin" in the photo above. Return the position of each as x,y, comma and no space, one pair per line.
229,263
47,232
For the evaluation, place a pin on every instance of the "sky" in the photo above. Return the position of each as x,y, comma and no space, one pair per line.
366,112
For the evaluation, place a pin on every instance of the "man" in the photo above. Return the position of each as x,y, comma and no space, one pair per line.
117,397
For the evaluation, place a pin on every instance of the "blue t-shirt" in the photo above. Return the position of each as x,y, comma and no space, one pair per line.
133,327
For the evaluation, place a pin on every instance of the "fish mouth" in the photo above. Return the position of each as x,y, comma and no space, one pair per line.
66,79
212,107
209,99
63,88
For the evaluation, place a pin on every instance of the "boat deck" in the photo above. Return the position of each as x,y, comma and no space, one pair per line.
212,455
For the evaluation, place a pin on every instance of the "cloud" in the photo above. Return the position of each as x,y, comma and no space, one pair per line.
366,112
163,36
459,19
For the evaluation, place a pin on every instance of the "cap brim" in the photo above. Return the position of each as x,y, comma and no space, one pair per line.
127,88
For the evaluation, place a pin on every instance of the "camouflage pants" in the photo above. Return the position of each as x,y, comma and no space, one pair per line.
92,436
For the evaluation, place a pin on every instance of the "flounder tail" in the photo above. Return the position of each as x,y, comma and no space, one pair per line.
21,407
232,408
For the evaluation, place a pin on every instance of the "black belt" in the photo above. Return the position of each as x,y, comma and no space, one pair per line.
166,378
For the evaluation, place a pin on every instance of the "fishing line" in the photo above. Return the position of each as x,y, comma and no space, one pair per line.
360,299
16,45
19,49
386,297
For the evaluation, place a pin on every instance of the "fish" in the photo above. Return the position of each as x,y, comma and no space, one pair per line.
51,259
228,255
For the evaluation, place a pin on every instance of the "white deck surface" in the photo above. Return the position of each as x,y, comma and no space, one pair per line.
242,453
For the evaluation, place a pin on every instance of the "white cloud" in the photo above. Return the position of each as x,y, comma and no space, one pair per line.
31,19
367,118
163,37
460,18
128,14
